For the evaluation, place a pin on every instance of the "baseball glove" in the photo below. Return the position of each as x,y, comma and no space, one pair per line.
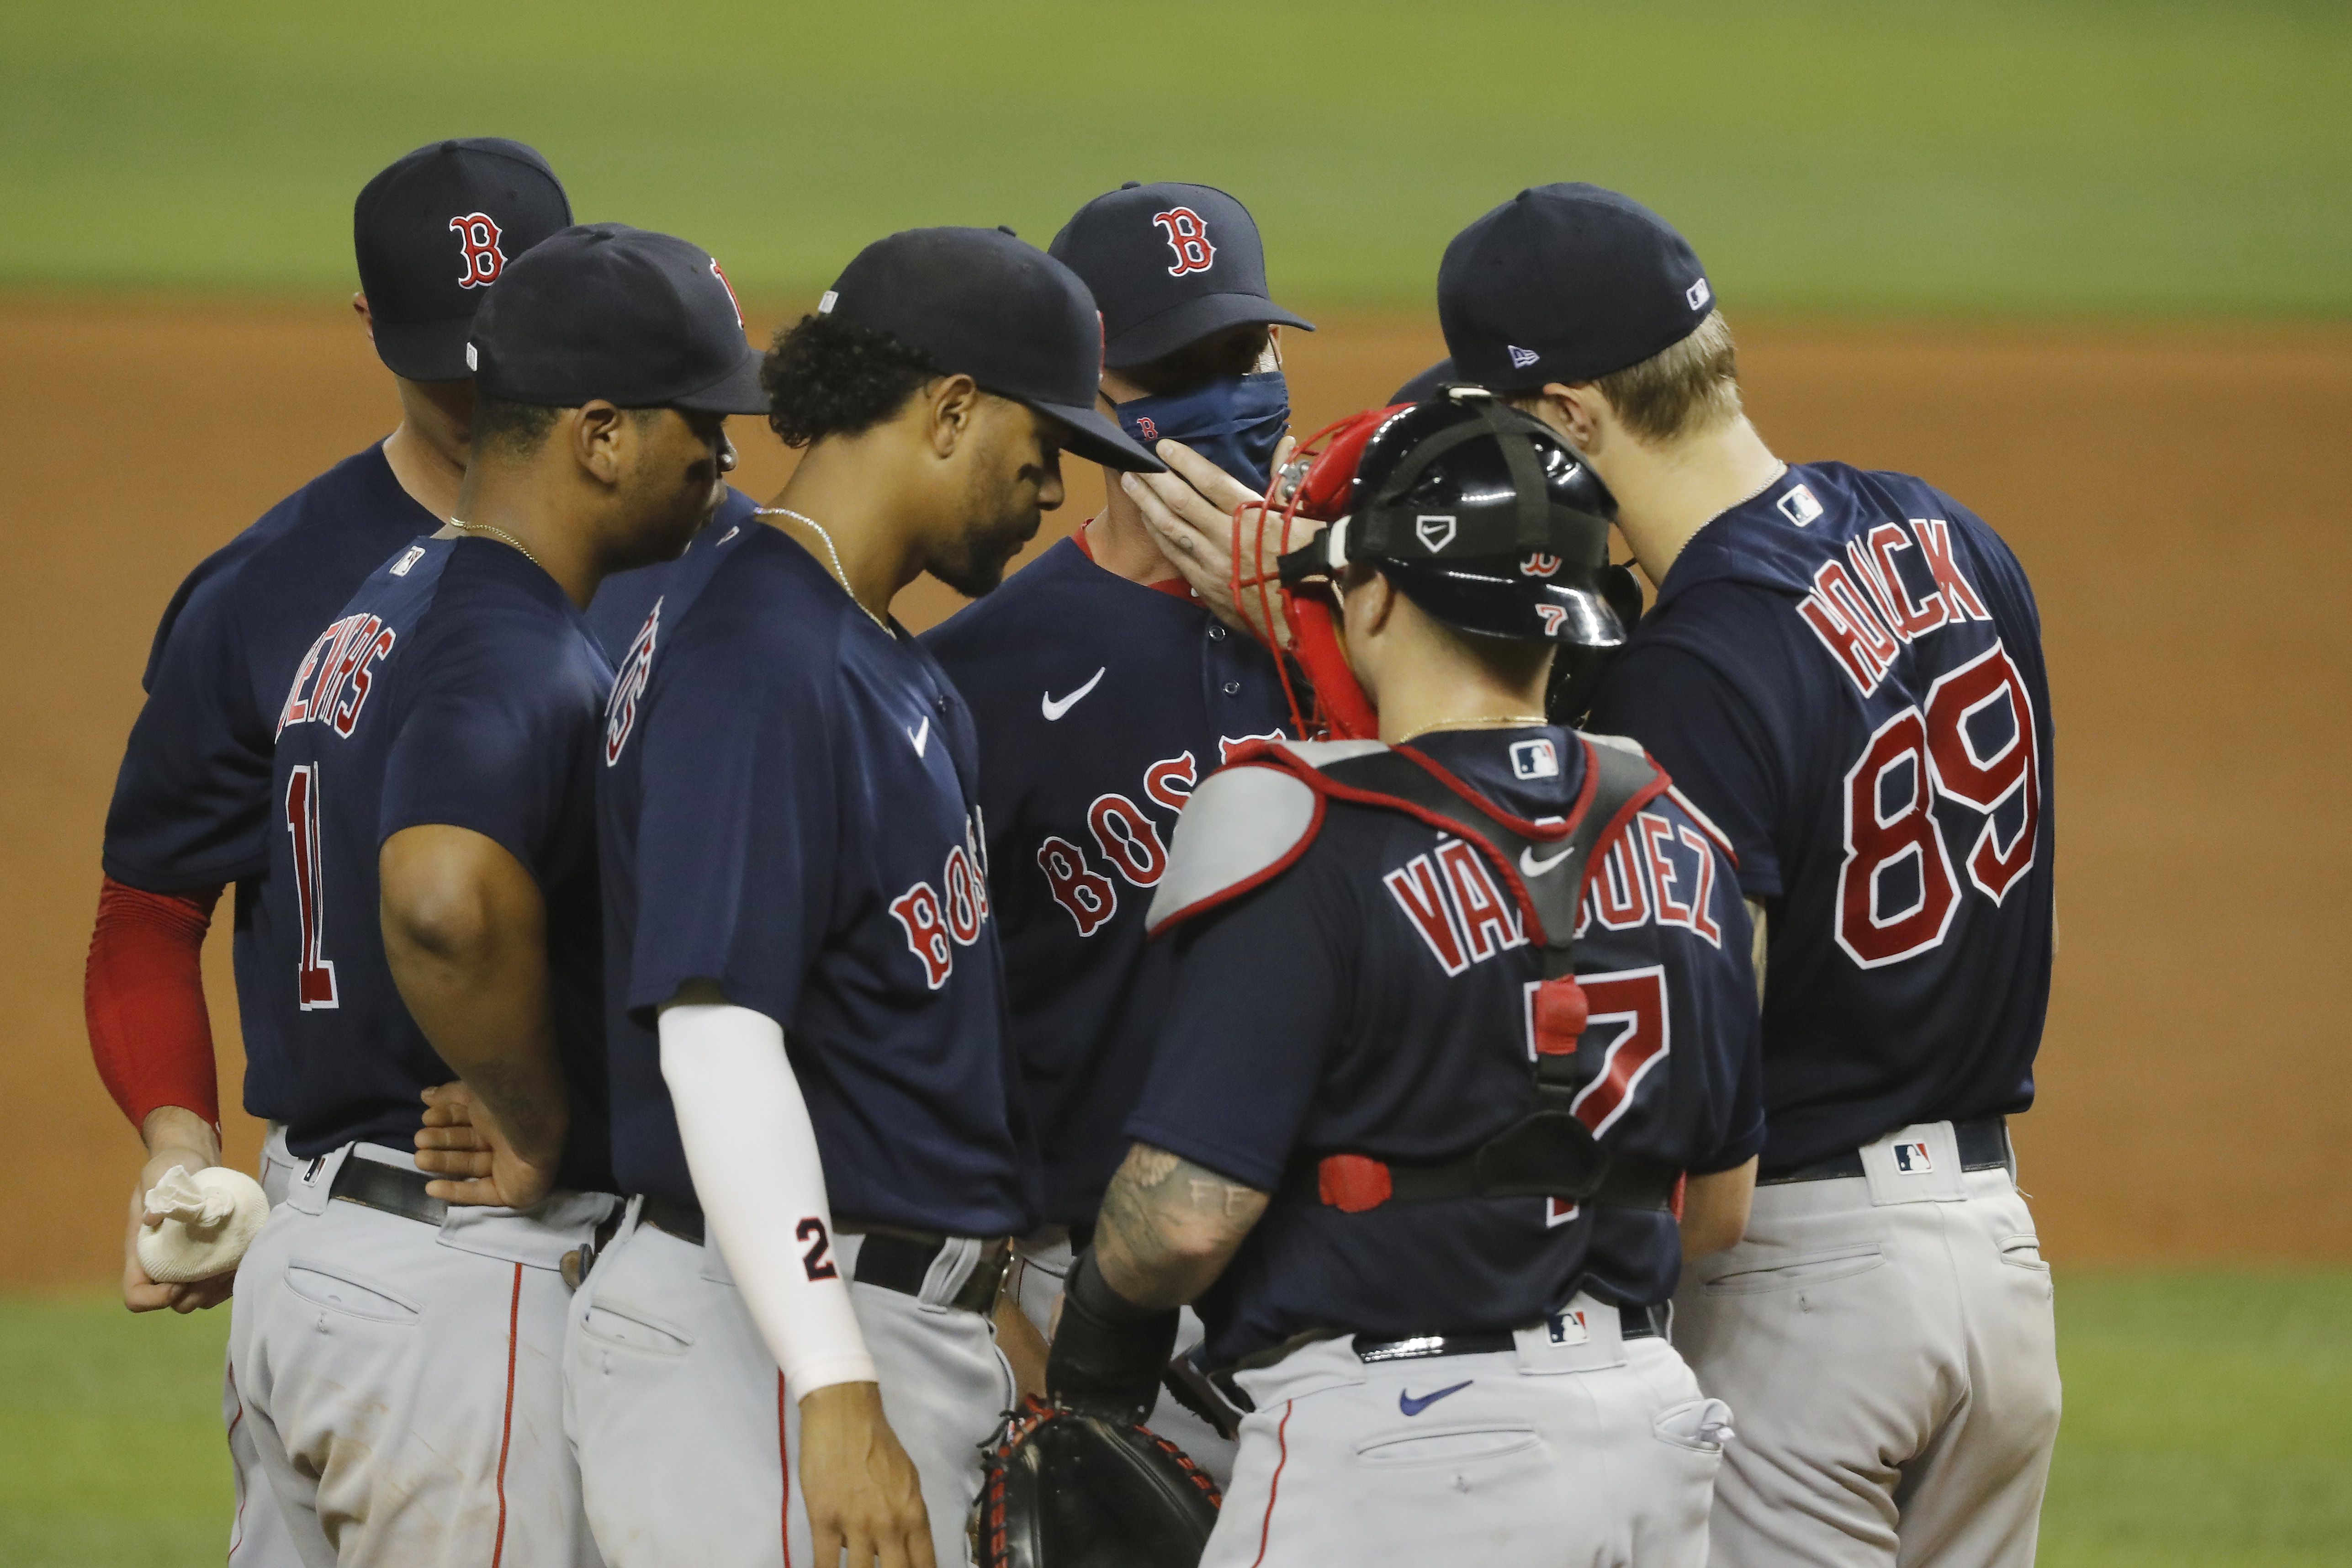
1060,1489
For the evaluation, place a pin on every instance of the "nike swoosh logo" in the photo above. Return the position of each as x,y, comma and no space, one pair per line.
921,734
1055,706
1535,867
1412,1406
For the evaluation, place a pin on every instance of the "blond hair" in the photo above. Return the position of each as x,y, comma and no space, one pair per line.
1690,387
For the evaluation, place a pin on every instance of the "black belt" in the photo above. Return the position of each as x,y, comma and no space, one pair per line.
887,1259
1984,1146
395,1189
1633,1324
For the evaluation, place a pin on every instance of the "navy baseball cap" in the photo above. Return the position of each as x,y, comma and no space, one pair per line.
1566,283
639,319
984,303
1424,386
435,231
1169,264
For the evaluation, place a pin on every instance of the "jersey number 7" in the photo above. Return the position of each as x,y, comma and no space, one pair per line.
1930,753
315,979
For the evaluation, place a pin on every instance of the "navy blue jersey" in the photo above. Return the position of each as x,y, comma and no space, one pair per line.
1099,703
460,687
191,805
625,599
1374,999
789,809
1846,674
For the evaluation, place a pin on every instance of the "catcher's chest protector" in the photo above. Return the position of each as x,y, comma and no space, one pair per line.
1251,821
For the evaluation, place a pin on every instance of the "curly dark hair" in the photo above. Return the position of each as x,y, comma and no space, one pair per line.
824,377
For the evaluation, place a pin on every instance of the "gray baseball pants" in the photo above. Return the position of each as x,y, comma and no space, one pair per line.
400,1382
1888,1343
1591,1452
688,1440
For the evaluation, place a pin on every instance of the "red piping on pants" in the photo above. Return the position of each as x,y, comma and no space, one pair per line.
505,1426
1274,1488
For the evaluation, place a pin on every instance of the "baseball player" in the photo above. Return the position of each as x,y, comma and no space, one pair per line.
1103,687
193,809
1455,1010
785,1350
1844,669
398,1358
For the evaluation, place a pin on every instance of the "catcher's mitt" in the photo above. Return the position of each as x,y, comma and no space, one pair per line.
1063,1490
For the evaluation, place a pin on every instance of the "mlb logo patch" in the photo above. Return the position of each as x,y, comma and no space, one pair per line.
415,554
1567,1329
1534,760
1798,506
1699,294
1522,358
1912,1160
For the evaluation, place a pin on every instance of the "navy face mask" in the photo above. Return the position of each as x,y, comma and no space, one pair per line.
1234,421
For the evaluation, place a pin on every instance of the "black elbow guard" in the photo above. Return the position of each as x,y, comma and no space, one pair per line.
1109,1353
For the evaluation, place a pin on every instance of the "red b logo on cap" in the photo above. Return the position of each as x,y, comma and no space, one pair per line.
1188,236
484,259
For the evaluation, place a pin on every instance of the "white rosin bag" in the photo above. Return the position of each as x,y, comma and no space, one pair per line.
209,1220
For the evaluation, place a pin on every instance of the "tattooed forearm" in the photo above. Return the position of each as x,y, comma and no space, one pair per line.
1169,1227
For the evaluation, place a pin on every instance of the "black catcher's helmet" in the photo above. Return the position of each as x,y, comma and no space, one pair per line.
1481,516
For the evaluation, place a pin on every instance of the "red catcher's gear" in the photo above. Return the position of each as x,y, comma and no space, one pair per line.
144,999
1340,710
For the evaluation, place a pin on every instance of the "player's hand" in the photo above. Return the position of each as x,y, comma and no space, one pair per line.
1189,510
861,1491
174,1137
461,1142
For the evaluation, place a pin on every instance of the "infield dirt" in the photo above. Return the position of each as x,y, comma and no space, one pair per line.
2175,495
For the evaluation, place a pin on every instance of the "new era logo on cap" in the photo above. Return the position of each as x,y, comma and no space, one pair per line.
1912,1160
1522,358
1798,506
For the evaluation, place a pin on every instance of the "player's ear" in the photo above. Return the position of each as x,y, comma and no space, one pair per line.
955,410
602,440
1574,412
367,320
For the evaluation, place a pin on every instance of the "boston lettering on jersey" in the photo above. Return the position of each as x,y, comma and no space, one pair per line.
1378,996
1846,674
788,811
459,687
1099,703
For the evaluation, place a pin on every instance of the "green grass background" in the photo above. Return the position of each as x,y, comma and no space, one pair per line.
2208,1423
1961,158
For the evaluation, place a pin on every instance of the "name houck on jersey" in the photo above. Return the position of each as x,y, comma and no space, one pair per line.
1864,618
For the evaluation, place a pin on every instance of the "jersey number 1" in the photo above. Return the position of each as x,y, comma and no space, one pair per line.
315,983
1931,753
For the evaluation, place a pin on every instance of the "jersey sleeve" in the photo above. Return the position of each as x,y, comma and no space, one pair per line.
738,829
482,744
1257,1008
1710,739
191,801
1675,988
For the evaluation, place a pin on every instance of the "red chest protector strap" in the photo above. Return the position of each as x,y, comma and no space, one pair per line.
1550,1150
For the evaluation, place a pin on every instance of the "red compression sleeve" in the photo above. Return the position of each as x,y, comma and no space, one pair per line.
144,998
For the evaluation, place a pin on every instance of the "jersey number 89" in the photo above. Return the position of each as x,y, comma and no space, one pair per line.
1930,751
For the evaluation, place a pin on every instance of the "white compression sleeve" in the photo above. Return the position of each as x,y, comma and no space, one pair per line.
752,1153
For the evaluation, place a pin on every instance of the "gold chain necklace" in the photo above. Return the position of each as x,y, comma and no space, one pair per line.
1483,722
494,529
839,575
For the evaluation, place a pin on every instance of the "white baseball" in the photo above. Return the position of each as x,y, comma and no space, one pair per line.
209,1220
